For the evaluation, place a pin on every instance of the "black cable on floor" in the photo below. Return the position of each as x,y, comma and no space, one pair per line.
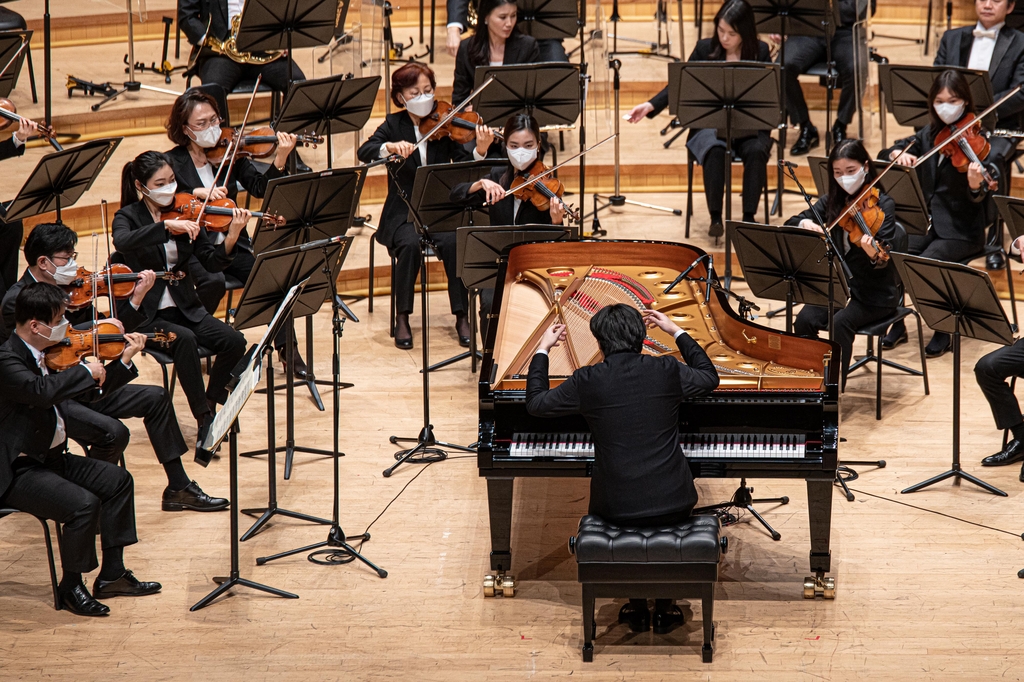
932,511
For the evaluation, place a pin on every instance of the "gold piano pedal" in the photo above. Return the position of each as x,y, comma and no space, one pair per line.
819,586
500,584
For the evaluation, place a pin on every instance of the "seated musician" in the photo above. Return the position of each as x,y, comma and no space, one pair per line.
803,52
990,45
412,88
11,233
194,127
202,20
551,49
147,241
874,289
735,39
960,203
632,404
495,41
523,148
37,473
96,424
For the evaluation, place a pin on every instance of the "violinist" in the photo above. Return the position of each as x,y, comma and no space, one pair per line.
194,127
874,288
960,202
12,233
96,424
734,39
495,41
523,150
412,88
147,241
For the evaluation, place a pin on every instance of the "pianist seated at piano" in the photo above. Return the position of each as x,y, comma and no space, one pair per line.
874,288
631,403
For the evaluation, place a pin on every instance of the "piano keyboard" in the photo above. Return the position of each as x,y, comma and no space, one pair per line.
695,445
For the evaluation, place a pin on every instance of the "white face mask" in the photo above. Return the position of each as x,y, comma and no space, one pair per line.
207,137
56,333
852,183
162,196
949,113
65,274
420,105
522,158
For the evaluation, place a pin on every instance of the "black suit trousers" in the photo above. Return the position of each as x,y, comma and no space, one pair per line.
755,173
97,426
10,248
228,73
405,249
87,496
991,371
803,52
813,319
228,344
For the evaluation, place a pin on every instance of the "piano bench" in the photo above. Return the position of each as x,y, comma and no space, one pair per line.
667,562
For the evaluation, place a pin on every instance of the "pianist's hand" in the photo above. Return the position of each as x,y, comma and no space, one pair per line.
655,318
552,337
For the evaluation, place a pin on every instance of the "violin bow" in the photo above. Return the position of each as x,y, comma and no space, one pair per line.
549,171
110,276
963,131
451,114
14,57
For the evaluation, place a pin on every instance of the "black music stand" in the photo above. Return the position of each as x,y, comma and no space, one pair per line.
10,43
328,106
958,300
273,274
315,206
274,25
430,196
906,91
218,429
726,96
549,19
787,264
60,179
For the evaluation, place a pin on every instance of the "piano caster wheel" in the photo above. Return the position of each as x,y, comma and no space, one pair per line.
501,584
823,587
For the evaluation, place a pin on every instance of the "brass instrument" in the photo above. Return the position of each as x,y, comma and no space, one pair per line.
228,47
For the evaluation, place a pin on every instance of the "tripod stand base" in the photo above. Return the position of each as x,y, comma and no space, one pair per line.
267,513
341,551
958,474
424,452
226,584
468,355
852,475
742,499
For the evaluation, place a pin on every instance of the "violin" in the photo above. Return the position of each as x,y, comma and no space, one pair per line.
866,218
9,116
542,192
104,341
117,279
216,217
256,144
461,128
971,147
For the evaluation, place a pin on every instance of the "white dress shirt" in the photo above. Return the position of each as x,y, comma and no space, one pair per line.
171,254
422,149
983,46
206,177
235,7
59,433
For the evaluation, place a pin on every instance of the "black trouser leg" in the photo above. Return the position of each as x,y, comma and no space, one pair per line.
185,351
552,50
275,74
210,286
103,437
755,171
405,249
229,346
10,247
991,371
814,319
153,405
220,70
842,54
713,170
802,52
952,250
458,296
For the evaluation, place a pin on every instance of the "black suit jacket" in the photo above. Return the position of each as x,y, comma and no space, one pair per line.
503,212
27,399
396,128
130,317
632,404
519,49
1006,70
8,150
702,53
194,14
141,242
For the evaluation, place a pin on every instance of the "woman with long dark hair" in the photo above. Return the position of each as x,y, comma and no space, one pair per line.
147,242
494,42
961,204
874,288
734,39
412,90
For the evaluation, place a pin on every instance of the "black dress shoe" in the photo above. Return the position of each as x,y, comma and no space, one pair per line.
462,329
1011,454
78,601
1021,479
191,497
995,261
125,586
716,230
838,132
807,141
939,345
300,365
638,619
665,621
897,334
403,334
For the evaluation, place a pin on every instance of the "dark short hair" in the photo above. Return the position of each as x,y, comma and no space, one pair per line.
47,239
182,109
408,76
618,328
39,301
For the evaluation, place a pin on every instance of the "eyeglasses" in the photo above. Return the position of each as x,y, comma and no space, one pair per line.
66,259
203,124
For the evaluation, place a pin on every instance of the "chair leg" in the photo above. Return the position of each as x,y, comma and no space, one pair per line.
588,623
369,291
32,76
49,556
689,194
1006,432
1009,285
707,610
174,380
924,359
878,382
227,310
393,297
167,383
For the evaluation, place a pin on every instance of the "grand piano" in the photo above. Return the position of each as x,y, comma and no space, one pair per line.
774,415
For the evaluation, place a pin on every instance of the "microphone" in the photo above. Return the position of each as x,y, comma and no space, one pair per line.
320,243
388,159
788,164
684,273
